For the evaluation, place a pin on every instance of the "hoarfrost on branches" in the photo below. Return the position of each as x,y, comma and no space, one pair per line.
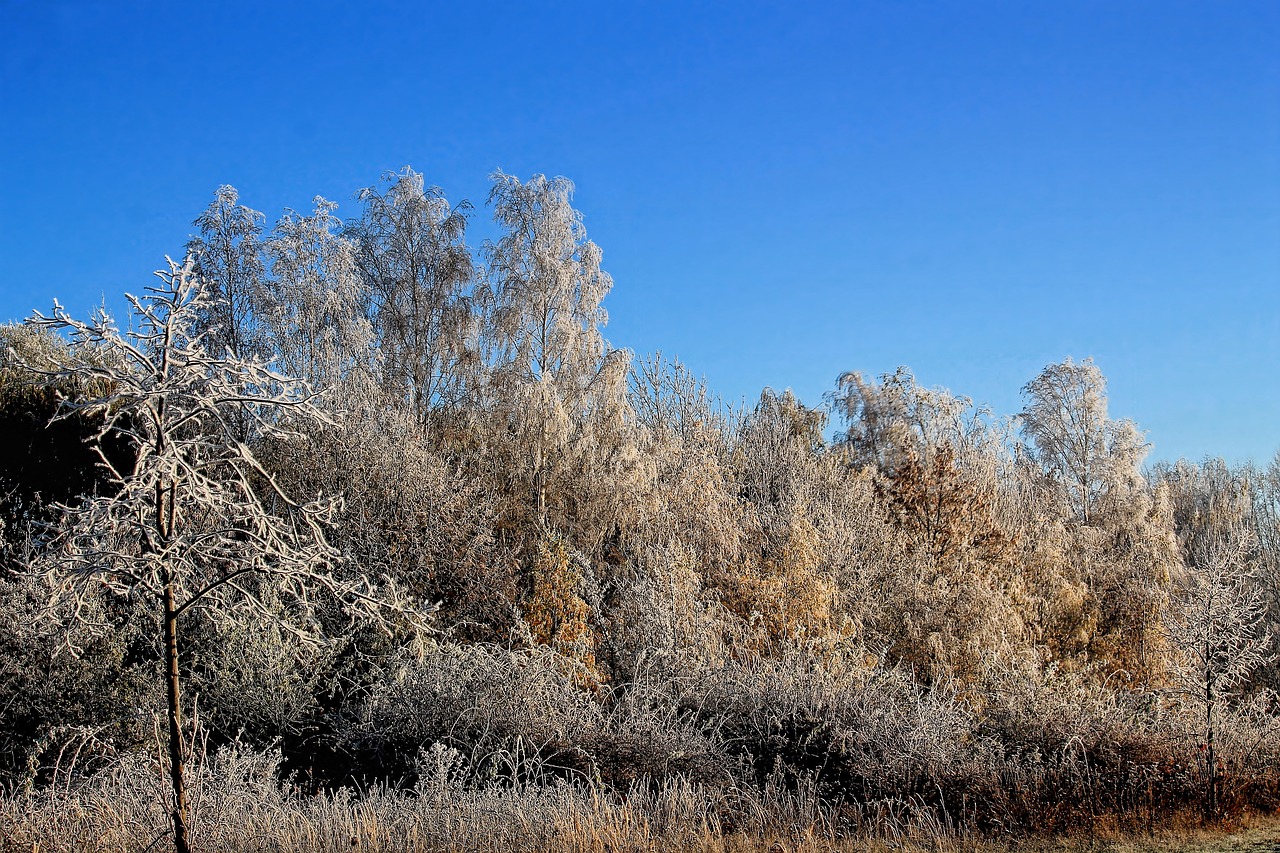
196,521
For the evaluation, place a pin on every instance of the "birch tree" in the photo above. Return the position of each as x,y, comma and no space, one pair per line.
313,310
412,255
566,388
1080,448
227,254
557,400
195,521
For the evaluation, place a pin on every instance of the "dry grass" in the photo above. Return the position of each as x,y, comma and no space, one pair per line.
785,757
239,805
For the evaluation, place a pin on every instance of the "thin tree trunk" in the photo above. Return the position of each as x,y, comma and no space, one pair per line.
1210,752
181,843
540,496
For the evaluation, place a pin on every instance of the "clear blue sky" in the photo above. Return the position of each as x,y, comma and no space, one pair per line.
782,191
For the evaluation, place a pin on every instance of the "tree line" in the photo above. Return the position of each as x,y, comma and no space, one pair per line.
337,468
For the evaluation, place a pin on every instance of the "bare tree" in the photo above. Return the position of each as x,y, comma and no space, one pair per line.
195,522
670,402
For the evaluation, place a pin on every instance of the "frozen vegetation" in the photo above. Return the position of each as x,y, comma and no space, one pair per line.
365,538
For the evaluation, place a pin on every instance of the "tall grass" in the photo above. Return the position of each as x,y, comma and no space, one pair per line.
239,804
480,747
492,749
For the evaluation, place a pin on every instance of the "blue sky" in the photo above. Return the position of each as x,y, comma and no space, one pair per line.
782,191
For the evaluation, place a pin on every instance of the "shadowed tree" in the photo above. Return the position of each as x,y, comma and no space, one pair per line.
45,462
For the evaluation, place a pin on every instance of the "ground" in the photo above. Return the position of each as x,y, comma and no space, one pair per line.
1256,835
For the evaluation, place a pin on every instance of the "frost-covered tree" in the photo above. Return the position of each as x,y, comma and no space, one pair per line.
686,440
1099,544
228,255
670,401
1217,633
418,274
777,443
885,419
777,457
548,282
193,521
934,461
1209,500
1080,448
558,423
896,421
313,309
564,389
1264,501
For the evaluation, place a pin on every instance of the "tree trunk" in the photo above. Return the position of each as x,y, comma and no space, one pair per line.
181,843
540,497
1211,756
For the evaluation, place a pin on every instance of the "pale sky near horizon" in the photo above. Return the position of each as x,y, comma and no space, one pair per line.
782,191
